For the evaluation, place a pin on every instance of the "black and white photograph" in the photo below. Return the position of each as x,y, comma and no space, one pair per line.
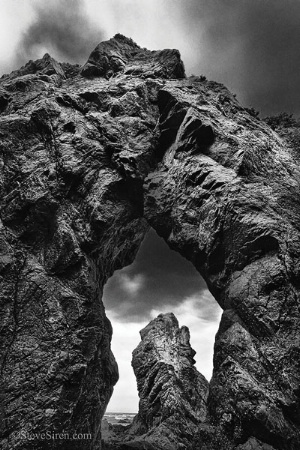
150,224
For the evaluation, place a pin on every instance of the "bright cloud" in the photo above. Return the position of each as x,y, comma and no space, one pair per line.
132,284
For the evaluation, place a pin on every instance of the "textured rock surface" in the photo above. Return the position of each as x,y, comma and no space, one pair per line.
73,154
122,55
223,190
172,392
226,196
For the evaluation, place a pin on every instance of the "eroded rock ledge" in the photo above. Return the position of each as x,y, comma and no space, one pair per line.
220,186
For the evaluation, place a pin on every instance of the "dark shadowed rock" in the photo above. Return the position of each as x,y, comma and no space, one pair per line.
73,157
87,162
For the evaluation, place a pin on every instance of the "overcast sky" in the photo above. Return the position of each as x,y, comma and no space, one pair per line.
252,46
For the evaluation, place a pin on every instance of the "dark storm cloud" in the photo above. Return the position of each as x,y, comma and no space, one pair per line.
252,46
158,277
63,29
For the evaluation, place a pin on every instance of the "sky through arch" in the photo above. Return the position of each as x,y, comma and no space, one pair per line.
159,281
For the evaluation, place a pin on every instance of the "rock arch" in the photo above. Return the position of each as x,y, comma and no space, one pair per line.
220,186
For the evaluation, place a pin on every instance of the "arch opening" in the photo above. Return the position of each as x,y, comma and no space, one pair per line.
160,280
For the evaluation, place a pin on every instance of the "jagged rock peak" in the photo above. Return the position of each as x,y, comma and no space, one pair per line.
172,392
122,54
117,55
171,343
45,66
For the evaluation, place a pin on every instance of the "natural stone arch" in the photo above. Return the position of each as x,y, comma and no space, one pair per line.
223,190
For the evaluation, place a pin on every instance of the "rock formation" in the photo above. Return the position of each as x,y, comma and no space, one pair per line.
172,392
231,205
220,186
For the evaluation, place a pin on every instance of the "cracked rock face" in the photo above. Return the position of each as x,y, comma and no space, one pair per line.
74,153
88,158
172,392
231,205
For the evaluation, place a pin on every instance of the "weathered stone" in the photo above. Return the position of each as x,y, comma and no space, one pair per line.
122,55
71,197
254,444
172,392
222,188
232,208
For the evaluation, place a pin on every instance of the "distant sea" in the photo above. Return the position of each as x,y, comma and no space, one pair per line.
119,418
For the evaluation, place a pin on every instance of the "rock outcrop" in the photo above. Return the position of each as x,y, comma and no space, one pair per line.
73,156
122,55
172,392
230,204
220,186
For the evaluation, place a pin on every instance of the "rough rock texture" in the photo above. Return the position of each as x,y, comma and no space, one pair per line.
73,154
222,189
122,55
172,392
226,196
113,435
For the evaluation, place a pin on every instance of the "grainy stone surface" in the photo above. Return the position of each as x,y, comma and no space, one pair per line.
122,55
172,392
226,196
73,156
222,188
